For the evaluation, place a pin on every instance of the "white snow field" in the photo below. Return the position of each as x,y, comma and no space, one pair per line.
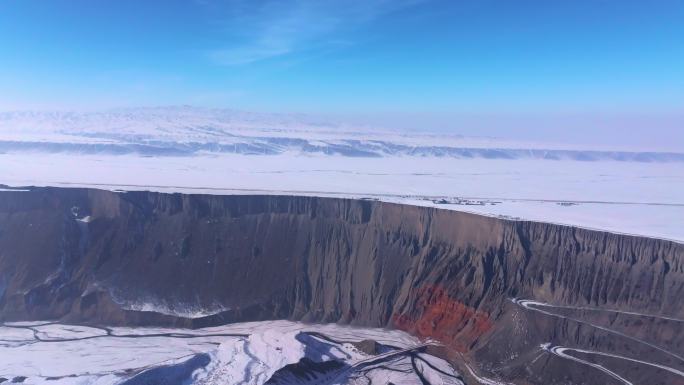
247,353
213,151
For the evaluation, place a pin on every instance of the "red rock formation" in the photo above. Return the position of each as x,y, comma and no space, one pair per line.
441,317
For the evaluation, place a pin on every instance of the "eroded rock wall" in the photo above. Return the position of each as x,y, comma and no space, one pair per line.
91,256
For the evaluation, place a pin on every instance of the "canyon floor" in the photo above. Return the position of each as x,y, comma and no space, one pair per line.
276,352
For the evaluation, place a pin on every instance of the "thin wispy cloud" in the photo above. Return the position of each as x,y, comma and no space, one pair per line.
264,30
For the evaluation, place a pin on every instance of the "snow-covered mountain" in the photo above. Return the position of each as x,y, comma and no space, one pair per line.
185,131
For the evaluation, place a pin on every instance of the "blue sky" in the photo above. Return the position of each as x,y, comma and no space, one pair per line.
439,59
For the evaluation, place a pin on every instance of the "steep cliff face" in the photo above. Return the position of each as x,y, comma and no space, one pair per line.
104,257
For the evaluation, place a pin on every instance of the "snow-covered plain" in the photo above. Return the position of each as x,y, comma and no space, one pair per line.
247,353
625,197
214,151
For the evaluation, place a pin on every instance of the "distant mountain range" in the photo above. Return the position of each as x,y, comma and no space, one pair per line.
188,131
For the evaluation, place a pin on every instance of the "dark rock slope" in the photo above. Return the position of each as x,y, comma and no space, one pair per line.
92,256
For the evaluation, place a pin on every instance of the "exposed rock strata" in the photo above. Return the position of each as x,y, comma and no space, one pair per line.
88,255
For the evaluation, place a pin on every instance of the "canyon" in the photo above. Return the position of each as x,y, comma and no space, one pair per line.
506,301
